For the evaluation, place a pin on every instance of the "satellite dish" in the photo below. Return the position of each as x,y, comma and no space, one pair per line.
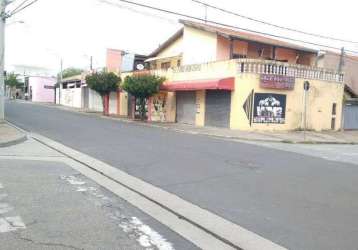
140,66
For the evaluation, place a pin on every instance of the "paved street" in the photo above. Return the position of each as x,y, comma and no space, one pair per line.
45,204
299,196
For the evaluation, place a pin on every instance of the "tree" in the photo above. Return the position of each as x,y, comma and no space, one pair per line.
142,87
103,83
12,81
71,72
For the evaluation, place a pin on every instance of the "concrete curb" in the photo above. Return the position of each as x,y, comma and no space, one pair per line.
17,140
212,135
217,136
227,232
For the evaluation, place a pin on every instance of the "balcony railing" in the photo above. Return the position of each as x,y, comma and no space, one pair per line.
238,66
285,69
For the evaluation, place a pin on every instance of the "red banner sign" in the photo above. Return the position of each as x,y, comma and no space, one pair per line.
277,82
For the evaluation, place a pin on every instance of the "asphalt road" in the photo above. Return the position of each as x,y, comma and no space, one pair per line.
294,199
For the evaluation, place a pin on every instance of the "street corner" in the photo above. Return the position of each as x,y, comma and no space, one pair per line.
48,204
10,135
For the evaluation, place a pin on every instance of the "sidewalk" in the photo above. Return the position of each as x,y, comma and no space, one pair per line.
10,135
47,204
310,137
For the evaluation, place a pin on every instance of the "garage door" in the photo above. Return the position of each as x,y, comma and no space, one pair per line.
186,107
351,116
217,108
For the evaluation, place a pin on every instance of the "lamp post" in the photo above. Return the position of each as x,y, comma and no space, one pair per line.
3,17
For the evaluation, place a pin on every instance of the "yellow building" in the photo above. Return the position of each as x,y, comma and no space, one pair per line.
225,78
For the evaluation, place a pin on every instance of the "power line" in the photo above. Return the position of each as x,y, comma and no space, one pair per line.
274,25
233,27
20,5
137,11
22,8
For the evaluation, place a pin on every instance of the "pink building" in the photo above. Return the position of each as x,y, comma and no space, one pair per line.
41,88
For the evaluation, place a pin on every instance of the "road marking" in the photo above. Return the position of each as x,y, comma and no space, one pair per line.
145,235
16,222
73,180
202,227
5,226
10,224
226,233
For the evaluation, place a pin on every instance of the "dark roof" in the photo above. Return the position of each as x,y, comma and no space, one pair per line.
350,91
234,33
226,32
163,46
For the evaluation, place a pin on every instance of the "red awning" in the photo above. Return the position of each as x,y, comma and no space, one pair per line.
219,84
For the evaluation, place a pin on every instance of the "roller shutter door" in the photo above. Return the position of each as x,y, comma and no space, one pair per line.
186,107
217,108
351,116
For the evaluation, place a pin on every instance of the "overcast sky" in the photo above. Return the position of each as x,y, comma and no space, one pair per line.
77,29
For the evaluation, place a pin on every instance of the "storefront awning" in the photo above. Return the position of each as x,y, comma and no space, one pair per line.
219,84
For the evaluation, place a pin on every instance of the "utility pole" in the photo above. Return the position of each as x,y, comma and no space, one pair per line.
61,79
205,7
91,63
3,17
341,61
340,71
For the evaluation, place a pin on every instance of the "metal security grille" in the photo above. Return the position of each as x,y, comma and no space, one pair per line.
186,107
351,116
217,108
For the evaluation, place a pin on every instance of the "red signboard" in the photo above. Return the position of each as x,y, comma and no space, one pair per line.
277,82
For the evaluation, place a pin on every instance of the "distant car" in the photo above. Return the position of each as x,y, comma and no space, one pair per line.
26,96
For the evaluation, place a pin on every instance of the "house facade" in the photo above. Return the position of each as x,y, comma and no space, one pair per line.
221,77
74,92
349,65
41,88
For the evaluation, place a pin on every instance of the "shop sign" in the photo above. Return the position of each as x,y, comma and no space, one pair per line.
188,68
277,82
269,108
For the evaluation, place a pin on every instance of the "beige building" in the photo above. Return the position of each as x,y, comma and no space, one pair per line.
226,78
347,64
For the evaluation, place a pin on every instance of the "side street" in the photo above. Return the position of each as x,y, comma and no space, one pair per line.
308,137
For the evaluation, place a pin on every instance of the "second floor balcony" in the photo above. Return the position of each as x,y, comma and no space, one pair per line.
241,67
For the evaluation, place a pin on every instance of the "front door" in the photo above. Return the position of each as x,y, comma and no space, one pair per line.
186,107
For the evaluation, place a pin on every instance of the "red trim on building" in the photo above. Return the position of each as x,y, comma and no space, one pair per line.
219,84
106,104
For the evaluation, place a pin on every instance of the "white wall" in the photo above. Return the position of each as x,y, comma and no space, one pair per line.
199,46
95,101
57,95
113,103
71,97
42,88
